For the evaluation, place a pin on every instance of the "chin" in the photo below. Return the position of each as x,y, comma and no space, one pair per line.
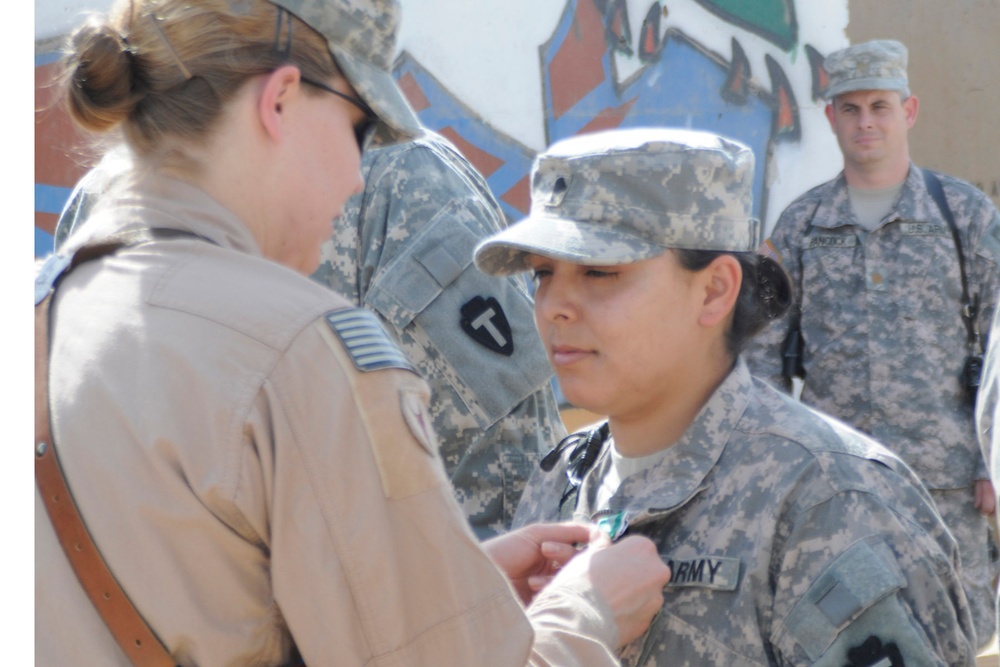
579,397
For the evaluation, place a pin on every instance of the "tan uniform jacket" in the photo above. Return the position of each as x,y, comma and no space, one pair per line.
255,489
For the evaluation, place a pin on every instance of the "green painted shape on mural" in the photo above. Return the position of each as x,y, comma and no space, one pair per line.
772,19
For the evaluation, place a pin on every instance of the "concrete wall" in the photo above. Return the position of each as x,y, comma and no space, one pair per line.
504,78
955,73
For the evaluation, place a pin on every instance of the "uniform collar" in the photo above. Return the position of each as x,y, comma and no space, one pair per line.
153,200
682,472
834,208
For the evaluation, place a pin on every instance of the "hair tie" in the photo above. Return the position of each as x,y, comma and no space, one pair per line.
166,42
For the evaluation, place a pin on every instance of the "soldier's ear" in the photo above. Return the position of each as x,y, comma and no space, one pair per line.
911,105
720,284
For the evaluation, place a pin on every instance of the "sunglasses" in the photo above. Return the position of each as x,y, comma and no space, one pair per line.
361,128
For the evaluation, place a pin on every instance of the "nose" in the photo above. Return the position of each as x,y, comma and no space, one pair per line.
555,300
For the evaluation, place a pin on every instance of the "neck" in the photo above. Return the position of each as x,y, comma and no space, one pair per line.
649,431
877,177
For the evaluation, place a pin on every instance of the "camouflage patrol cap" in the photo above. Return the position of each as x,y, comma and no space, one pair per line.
361,35
622,196
876,65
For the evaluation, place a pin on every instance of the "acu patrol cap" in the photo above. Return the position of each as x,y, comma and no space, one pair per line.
361,35
876,65
621,196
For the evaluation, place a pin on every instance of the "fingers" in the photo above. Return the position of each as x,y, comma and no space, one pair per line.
630,575
569,533
558,553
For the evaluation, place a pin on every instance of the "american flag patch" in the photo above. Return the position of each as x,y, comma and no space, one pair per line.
366,341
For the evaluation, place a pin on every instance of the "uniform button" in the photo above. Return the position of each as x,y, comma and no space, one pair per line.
876,278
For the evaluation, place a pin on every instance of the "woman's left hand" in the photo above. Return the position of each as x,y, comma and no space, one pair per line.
531,556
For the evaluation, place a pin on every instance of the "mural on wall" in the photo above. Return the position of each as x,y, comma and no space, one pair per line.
680,83
677,81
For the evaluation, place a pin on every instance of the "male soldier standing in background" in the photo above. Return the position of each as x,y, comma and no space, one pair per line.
890,314
403,248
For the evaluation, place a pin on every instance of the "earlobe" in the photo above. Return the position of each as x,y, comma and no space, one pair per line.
723,278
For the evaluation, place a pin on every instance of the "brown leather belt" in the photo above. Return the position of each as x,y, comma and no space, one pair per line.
131,632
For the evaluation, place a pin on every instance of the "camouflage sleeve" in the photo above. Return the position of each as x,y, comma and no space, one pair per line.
764,353
984,237
987,403
472,336
860,584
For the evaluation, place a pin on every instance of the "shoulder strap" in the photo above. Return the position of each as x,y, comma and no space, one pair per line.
969,306
131,632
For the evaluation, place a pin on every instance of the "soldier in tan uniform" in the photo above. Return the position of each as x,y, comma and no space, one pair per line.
251,454
793,539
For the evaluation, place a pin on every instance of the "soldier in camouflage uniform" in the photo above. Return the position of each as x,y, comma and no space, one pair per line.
987,408
879,301
792,538
403,248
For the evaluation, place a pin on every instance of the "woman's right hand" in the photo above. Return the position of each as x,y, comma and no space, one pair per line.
629,575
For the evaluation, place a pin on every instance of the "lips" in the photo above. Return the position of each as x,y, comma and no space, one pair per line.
563,355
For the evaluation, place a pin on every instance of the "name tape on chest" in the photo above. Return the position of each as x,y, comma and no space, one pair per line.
715,572
832,241
366,341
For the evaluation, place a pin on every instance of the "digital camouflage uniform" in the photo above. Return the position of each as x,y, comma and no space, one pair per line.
403,248
987,408
885,342
793,540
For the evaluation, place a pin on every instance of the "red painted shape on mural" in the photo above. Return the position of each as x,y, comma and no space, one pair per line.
608,118
650,38
786,115
616,23
408,84
576,68
822,77
518,196
62,155
485,163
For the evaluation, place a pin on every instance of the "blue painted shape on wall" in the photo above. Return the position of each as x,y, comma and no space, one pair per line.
445,110
681,89
44,243
51,198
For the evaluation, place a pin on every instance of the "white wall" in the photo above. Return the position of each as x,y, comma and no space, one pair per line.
486,53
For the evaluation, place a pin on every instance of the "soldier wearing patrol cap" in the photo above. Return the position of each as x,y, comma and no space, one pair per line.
793,539
895,270
403,248
251,454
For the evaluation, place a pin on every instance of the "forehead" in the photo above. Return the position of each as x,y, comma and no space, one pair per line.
867,97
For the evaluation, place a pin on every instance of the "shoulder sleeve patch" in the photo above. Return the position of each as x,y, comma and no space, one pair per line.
854,582
367,343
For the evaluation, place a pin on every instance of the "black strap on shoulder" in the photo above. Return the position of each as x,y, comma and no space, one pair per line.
794,344
970,306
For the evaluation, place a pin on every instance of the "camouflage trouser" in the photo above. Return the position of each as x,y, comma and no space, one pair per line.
972,531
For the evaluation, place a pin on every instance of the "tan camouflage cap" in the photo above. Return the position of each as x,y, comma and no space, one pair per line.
875,65
361,35
622,196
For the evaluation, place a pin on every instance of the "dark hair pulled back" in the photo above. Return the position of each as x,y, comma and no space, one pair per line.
765,292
